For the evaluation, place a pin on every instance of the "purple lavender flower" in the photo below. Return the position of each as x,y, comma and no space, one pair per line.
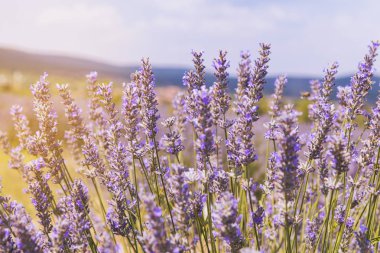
312,232
323,114
28,238
244,75
46,116
361,83
258,216
111,125
95,110
323,173
131,110
180,192
218,181
92,158
276,104
179,104
45,142
199,69
338,153
226,219
21,124
103,238
259,73
61,235
73,113
367,155
149,103
203,126
347,236
363,243
272,174
155,238
75,224
340,213
42,196
172,142
117,217
220,102
7,243
194,81
288,147
240,148
5,145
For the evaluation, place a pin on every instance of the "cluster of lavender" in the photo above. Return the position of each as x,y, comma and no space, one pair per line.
198,183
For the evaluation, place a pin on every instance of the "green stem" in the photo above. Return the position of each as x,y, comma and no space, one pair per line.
137,193
163,184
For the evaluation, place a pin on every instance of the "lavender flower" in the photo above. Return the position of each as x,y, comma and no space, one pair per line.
172,142
323,174
346,238
258,216
312,231
338,153
92,158
218,181
323,114
203,126
21,124
42,195
288,147
117,217
179,113
239,145
199,69
361,83
4,143
78,130
149,103
7,243
74,229
276,105
226,219
155,239
241,151
131,109
95,110
118,139
45,142
244,75
180,192
259,73
220,98
367,156
61,235
363,243
46,116
28,238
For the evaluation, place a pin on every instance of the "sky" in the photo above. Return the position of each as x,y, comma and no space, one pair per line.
306,36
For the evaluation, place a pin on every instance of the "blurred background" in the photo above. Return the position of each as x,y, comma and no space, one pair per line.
70,38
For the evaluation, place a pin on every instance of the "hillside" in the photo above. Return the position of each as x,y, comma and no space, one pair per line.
24,62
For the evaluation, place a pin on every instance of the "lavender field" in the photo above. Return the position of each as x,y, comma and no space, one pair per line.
206,171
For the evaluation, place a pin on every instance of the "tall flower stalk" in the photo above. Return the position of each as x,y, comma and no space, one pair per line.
315,189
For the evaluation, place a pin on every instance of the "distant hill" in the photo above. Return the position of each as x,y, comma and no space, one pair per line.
15,60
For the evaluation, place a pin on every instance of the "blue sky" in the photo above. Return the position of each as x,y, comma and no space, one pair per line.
305,35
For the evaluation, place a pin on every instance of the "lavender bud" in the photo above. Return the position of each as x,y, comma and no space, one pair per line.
226,219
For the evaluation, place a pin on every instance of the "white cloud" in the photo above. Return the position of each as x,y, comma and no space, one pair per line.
305,37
